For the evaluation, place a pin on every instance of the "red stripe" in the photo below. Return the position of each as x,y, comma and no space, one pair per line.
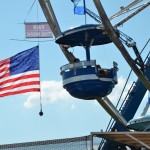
4,76
20,85
4,69
20,91
4,65
5,61
19,78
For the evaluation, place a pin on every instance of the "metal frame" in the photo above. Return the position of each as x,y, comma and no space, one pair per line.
133,139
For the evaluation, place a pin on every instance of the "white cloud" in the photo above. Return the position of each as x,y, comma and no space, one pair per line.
51,91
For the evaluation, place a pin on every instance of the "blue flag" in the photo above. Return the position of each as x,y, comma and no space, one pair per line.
79,7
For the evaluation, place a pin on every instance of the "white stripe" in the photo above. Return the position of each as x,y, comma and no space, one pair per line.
20,81
4,72
21,88
85,77
19,75
4,66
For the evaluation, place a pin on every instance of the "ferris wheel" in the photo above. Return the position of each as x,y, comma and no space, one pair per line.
87,80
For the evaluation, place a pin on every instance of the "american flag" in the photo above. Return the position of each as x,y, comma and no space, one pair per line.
20,73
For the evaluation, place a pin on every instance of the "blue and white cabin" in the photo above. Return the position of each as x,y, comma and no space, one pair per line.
86,80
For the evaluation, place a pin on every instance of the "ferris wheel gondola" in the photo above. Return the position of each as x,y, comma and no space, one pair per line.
140,124
86,79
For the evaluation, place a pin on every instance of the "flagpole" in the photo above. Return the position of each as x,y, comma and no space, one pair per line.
85,12
41,112
85,18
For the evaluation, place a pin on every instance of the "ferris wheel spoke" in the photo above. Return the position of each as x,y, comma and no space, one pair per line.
113,36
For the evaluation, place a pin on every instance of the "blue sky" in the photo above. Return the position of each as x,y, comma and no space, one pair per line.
64,116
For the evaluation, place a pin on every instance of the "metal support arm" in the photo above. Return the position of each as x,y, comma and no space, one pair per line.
52,21
133,14
111,109
113,36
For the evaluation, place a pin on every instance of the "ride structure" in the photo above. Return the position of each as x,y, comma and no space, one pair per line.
53,23
86,79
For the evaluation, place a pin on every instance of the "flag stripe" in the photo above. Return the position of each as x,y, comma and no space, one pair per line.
19,85
18,79
20,92
4,68
19,75
4,75
35,86
5,61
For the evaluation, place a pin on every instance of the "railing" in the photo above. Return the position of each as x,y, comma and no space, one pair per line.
81,64
132,88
